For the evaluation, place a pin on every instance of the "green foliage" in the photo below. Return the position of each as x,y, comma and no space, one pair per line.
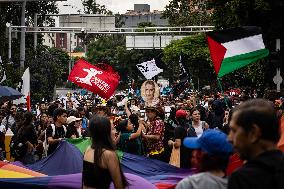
187,13
78,49
50,67
263,13
232,13
196,57
91,7
10,12
251,75
102,49
118,21
111,49
144,25
227,14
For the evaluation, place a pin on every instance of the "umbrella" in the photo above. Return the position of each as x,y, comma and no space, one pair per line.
8,93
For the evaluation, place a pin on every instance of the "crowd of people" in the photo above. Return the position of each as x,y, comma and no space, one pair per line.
218,136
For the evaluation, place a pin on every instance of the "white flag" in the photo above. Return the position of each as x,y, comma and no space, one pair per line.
2,70
149,69
4,77
25,90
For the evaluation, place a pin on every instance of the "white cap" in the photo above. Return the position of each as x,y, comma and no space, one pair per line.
71,119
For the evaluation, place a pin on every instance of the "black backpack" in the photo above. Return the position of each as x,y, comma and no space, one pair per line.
17,148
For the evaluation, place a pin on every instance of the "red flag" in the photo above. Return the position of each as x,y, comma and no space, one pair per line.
94,79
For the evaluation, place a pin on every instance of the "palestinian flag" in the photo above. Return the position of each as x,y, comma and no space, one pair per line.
235,48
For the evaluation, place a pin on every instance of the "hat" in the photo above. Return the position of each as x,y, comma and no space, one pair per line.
70,119
181,114
212,141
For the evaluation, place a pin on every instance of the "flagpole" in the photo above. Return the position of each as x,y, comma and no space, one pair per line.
220,85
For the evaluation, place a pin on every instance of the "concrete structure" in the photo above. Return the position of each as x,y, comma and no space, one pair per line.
65,41
149,42
141,7
69,41
49,39
142,13
94,21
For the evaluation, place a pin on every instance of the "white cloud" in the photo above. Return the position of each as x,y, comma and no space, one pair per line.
115,6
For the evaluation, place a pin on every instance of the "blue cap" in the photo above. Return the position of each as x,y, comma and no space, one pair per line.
212,141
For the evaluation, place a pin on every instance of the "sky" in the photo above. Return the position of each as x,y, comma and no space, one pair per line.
116,6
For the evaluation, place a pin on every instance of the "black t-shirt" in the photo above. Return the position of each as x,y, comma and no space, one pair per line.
28,133
185,153
263,172
72,131
58,133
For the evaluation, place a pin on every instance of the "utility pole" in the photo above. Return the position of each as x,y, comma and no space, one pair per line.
10,44
277,79
23,30
35,34
23,36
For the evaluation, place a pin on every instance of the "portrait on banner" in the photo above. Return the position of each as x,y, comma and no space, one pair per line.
150,92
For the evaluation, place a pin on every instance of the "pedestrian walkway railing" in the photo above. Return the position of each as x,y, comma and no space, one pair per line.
145,30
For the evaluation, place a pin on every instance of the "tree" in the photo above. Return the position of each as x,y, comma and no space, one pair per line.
10,13
267,14
196,57
50,67
145,24
91,7
78,49
187,13
111,49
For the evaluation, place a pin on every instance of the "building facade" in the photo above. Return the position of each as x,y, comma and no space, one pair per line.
69,41
142,13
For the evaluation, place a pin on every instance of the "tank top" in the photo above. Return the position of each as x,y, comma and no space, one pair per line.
95,176
199,129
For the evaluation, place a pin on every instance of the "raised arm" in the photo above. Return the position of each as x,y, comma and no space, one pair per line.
138,132
126,109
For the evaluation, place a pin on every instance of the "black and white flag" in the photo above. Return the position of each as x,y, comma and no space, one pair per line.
149,69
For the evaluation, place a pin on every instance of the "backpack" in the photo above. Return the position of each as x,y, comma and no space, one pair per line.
17,148
45,142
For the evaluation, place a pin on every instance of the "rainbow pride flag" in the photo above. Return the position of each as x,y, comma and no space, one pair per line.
63,169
